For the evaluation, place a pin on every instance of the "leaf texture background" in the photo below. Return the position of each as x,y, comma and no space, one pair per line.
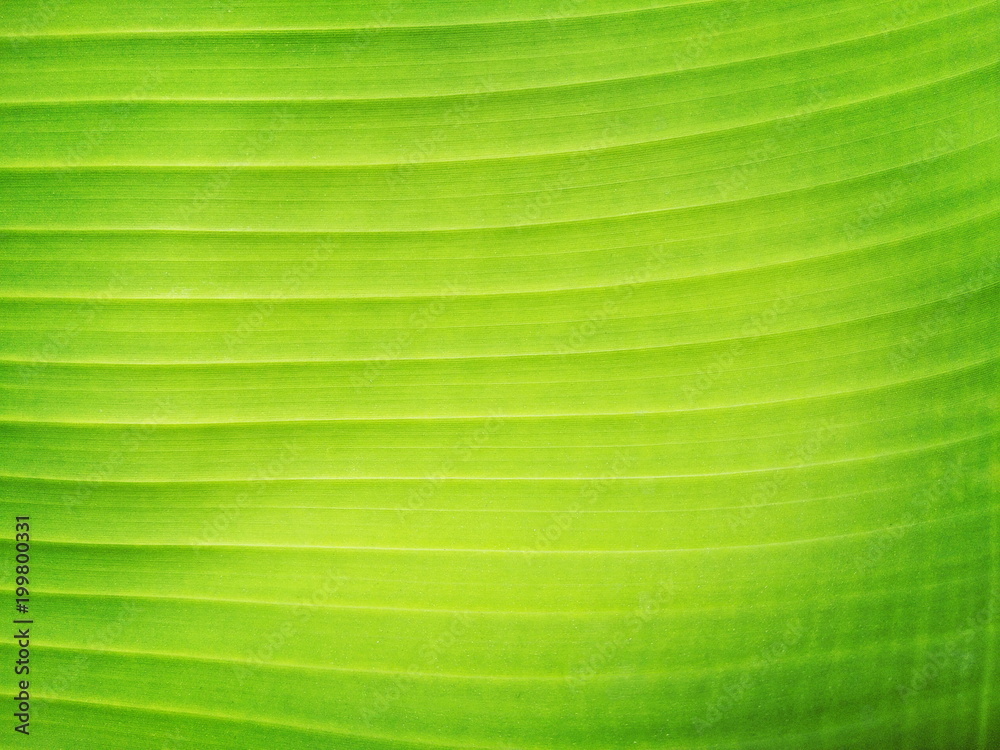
537,374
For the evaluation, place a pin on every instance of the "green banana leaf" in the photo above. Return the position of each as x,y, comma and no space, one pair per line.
523,375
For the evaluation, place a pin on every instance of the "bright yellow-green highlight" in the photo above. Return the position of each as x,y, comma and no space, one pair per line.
545,374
